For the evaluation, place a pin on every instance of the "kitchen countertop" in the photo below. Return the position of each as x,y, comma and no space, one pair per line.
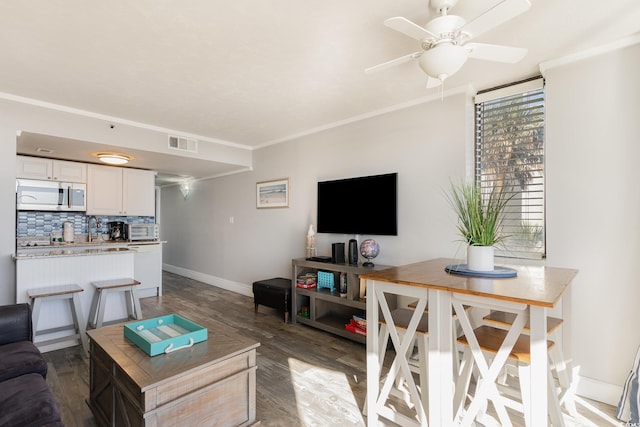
84,248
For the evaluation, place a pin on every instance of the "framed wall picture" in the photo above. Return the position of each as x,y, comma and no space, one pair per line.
272,194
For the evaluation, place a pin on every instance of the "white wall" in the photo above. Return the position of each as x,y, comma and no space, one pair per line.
593,209
425,144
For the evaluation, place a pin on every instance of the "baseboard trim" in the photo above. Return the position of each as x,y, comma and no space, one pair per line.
599,391
219,282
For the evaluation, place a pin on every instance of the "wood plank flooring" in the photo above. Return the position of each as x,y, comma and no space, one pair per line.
305,377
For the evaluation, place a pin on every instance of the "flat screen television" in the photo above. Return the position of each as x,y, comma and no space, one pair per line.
363,205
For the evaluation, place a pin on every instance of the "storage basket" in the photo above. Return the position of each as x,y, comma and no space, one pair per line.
325,280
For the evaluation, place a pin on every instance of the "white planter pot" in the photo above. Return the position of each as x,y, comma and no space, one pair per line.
480,258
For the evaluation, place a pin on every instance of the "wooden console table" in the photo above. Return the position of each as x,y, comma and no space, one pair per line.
211,383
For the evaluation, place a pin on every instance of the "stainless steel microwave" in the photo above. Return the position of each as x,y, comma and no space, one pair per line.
36,195
138,232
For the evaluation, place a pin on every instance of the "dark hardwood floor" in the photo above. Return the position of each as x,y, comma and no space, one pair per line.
305,377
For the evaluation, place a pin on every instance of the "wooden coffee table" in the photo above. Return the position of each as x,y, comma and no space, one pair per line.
211,383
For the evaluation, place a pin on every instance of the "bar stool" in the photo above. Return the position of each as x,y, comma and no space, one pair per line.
99,302
457,331
504,320
490,340
39,296
400,372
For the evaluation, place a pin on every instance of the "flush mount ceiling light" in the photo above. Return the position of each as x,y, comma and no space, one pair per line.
113,158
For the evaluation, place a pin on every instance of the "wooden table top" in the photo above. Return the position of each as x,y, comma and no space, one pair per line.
534,285
147,371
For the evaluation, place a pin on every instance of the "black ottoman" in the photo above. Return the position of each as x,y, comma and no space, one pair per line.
274,293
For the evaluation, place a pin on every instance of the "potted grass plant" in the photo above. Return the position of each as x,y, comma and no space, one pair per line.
479,222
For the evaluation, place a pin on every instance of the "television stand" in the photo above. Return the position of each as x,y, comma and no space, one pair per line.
326,309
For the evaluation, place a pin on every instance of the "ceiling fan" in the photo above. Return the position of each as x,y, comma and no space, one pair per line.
445,39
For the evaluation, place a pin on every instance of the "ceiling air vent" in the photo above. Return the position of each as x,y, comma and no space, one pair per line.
184,144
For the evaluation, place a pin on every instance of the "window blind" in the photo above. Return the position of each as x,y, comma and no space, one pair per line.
509,156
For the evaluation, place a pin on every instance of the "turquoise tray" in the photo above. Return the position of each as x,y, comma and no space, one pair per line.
164,334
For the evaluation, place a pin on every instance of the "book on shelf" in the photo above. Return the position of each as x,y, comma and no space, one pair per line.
306,285
357,325
354,329
308,280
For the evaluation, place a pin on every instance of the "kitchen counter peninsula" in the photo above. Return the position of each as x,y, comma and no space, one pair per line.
82,264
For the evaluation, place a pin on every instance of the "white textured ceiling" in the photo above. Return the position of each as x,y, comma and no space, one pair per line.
254,72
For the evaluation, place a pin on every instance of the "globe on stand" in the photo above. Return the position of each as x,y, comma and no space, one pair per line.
369,249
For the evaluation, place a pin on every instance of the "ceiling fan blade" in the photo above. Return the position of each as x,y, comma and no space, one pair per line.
393,62
494,52
409,28
499,14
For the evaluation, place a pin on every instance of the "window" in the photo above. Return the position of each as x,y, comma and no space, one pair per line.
509,155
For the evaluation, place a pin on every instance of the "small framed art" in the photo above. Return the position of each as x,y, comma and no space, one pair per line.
272,194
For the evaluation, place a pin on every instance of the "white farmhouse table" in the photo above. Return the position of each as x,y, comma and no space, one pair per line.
534,291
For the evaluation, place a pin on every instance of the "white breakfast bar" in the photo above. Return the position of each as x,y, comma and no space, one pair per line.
83,265
530,295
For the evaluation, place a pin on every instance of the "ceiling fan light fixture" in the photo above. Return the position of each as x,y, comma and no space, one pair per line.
443,60
113,158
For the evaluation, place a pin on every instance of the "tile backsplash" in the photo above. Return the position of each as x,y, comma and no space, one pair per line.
38,223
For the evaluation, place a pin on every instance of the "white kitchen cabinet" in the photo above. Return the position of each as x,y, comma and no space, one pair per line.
120,191
104,190
147,269
138,192
49,169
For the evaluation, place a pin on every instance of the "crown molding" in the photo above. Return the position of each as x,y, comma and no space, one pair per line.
464,89
589,53
118,120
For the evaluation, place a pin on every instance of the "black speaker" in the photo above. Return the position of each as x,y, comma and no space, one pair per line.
337,253
353,252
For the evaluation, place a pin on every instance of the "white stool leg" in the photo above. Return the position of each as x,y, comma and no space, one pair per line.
93,311
462,383
423,347
555,413
76,310
102,304
35,314
133,304
525,391
128,299
563,371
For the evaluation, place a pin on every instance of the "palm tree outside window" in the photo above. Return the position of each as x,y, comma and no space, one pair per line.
509,155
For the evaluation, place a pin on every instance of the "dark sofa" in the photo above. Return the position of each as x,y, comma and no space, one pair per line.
25,398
